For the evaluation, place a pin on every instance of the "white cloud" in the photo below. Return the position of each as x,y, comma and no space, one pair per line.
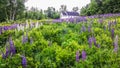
44,4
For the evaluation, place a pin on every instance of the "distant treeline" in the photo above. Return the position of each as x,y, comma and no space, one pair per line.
101,7
11,10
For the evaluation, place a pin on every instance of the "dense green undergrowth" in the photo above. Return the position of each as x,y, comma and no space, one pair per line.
55,46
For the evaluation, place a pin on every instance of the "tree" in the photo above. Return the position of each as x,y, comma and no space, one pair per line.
3,13
101,7
11,9
75,9
63,8
34,13
52,13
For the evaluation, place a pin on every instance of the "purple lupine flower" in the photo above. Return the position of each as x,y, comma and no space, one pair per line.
100,21
5,28
3,55
116,44
83,55
83,28
89,28
112,33
98,45
7,52
71,20
115,22
24,62
12,47
0,30
90,42
109,25
31,25
94,40
10,41
77,56
24,39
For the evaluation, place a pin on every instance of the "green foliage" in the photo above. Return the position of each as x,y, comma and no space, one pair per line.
52,13
55,46
36,14
101,7
11,10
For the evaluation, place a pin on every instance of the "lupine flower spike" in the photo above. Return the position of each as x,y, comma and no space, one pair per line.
112,33
89,28
24,62
109,25
100,21
90,42
77,56
94,40
25,38
116,44
7,52
83,55
83,29
115,22
12,48
3,55
98,45
0,30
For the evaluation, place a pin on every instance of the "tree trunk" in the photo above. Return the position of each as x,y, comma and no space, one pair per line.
13,15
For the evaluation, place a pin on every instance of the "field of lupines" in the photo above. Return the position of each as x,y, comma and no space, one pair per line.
86,42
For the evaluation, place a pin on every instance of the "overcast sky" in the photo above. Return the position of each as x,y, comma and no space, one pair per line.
44,4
